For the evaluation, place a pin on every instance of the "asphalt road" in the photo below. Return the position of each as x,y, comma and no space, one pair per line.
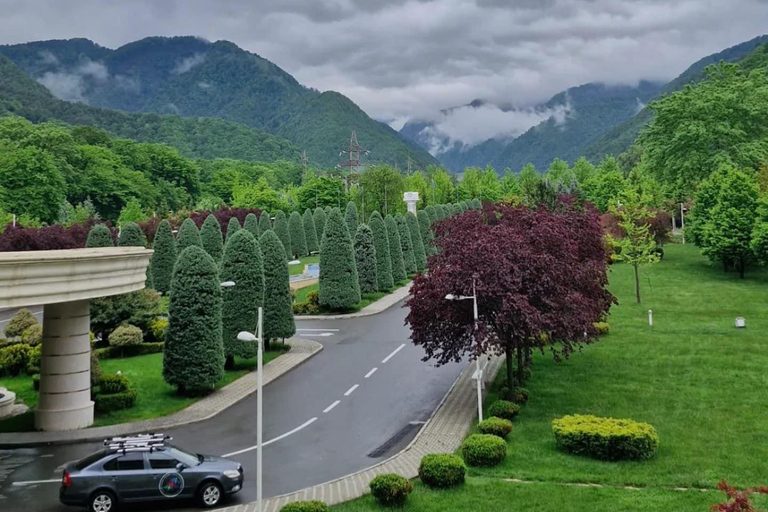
312,438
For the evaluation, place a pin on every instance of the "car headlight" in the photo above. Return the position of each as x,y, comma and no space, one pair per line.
231,473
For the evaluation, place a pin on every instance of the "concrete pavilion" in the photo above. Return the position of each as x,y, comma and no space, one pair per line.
64,282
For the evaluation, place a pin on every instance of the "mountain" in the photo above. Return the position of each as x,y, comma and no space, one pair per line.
621,137
192,77
200,138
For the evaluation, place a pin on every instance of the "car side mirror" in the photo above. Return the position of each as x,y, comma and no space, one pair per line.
180,467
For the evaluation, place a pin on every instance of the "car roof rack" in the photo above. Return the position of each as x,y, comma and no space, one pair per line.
138,443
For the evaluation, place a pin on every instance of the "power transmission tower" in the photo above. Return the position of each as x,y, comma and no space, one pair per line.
353,152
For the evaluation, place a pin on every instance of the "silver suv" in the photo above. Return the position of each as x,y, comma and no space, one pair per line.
147,468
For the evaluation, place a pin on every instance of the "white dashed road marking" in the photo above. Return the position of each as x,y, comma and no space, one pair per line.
351,390
370,373
390,356
334,404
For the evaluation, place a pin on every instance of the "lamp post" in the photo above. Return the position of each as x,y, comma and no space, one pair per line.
259,338
478,370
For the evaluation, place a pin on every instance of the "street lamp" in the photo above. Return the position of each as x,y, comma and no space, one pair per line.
259,338
478,371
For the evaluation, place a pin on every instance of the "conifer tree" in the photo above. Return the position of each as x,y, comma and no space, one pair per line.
427,237
99,236
164,257
278,305
395,250
365,259
383,257
419,253
188,236
350,216
298,238
265,223
193,358
319,217
210,236
409,259
431,212
251,223
233,226
242,263
310,233
280,226
131,235
339,287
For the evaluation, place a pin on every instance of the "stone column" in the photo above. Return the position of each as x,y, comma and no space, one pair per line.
65,368
411,198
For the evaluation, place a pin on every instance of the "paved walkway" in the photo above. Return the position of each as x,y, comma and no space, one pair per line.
301,350
374,308
443,433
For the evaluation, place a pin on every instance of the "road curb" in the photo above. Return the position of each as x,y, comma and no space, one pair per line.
301,351
442,433
374,308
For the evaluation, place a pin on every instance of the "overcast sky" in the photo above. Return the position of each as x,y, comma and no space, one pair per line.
410,58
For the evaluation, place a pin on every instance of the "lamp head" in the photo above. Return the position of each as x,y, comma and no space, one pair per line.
450,296
227,284
246,336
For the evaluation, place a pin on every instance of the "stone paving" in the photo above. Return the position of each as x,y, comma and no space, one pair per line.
371,309
301,350
443,433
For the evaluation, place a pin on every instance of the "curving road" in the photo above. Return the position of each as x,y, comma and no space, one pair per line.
360,400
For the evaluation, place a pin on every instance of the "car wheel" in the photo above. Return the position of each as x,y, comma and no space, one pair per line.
102,501
210,494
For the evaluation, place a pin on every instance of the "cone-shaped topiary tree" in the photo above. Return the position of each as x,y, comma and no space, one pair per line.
149,281
298,238
278,305
265,223
242,263
365,258
193,358
99,236
383,257
418,244
251,223
164,257
425,226
280,226
232,227
131,235
431,213
210,236
409,258
188,236
339,288
310,233
477,204
395,250
350,216
319,217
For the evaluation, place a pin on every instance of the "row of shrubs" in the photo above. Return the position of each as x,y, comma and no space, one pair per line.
113,393
605,438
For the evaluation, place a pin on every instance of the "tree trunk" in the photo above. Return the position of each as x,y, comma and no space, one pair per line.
741,267
637,283
229,364
725,265
510,378
520,368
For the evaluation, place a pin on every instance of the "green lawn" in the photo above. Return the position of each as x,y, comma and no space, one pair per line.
306,260
700,381
367,299
155,397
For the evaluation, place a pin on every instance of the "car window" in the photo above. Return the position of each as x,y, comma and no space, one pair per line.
127,462
87,461
187,458
161,460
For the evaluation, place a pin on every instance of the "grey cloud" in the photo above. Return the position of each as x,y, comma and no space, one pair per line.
48,58
190,62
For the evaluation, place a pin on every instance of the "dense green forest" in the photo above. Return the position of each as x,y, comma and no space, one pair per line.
192,77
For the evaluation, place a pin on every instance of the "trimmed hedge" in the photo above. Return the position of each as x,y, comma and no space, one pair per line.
14,359
305,506
21,321
188,236
319,217
310,231
338,284
211,237
504,409
483,450
115,402
32,335
280,227
126,335
298,235
365,259
442,470
233,226
131,235
494,426
409,258
519,395
130,351
395,250
251,224
36,382
391,490
602,328
164,257
605,438
111,384
99,236
383,256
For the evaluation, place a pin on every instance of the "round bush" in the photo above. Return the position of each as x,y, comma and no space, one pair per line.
111,384
14,359
605,438
602,328
32,335
157,328
483,450
391,490
442,470
495,426
504,409
305,506
19,323
126,335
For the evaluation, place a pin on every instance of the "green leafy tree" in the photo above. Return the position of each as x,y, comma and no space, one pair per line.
583,169
760,232
211,238
490,186
131,235
350,217
258,195
427,237
30,183
188,236
164,257
193,358
383,188
399,273
638,246
243,264
99,236
132,212
409,258
561,176
510,186
417,182
319,218
383,256
265,223
298,235
419,254
251,224
278,308
529,183
365,259
310,233
319,192
282,231
339,287
605,185
233,226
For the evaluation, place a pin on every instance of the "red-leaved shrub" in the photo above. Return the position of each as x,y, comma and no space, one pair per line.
738,501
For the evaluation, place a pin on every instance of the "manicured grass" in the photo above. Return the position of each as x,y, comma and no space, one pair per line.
155,397
295,270
367,299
